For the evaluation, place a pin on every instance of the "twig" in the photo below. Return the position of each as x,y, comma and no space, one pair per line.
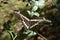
36,20
39,22
22,16
25,25
34,25
41,36
29,19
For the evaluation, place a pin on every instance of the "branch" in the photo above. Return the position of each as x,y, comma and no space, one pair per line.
36,20
41,36
39,21
22,15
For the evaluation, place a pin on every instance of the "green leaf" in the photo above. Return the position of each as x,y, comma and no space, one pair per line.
36,14
34,8
29,33
30,13
33,13
12,35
